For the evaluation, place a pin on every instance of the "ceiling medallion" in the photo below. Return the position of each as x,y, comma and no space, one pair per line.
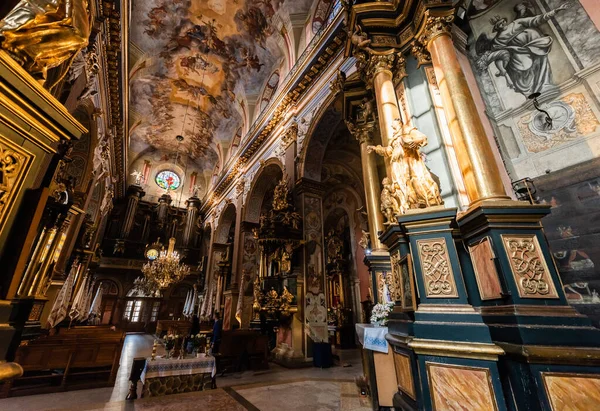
166,269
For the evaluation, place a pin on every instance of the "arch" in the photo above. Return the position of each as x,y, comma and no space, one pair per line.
325,107
318,139
265,180
226,220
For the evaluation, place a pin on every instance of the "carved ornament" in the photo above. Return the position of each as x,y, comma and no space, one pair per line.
438,277
14,164
421,54
528,266
435,27
393,278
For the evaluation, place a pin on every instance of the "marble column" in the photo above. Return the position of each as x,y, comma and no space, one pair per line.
378,72
475,156
363,133
134,194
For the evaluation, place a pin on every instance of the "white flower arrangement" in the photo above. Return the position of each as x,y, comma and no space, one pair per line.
380,313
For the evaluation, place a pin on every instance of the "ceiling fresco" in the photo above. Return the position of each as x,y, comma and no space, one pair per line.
194,63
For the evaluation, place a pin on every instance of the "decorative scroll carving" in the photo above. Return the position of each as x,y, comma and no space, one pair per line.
280,195
421,54
337,85
528,266
434,27
393,280
362,132
14,164
437,269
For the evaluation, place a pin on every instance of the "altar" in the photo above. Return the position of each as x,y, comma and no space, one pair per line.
175,376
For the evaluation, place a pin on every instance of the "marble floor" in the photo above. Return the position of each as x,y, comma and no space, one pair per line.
274,389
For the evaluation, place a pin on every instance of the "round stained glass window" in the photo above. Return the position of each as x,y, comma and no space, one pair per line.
168,180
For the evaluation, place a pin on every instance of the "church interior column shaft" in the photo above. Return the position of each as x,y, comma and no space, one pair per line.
372,191
475,156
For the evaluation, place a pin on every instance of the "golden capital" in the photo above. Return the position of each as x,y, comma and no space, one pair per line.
369,64
435,27
362,132
420,52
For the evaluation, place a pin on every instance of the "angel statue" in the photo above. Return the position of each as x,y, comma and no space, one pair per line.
519,50
137,176
360,40
44,34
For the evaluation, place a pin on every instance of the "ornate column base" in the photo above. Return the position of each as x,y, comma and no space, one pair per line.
550,348
448,356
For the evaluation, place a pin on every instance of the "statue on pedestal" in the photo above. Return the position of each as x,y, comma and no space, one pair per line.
411,184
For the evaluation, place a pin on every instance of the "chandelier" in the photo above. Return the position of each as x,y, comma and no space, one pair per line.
165,269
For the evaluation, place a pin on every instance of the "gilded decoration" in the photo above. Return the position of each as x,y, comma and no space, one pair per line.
435,27
528,266
14,164
455,387
572,118
411,185
572,392
436,268
393,280
420,52
42,35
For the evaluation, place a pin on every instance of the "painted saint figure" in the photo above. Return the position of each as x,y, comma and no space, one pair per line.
519,50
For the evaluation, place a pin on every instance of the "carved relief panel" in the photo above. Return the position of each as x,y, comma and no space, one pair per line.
528,266
438,277
15,162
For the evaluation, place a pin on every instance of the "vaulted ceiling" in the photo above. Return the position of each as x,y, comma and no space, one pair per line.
200,68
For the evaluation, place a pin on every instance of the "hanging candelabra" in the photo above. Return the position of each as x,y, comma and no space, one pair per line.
166,269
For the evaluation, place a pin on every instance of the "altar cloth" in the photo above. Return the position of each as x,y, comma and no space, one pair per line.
188,366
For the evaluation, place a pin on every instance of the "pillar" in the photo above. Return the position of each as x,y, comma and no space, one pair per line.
378,73
163,207
363,133
134,194
192,206
475,156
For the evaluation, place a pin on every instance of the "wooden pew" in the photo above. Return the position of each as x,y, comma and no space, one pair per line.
242,349
76,358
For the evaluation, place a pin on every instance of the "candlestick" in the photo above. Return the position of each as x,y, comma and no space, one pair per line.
153,357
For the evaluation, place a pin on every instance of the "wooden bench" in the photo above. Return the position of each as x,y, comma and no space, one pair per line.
76,358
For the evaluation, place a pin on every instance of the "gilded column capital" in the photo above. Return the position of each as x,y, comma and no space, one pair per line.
400,68
435,26
369,64
421,53
362,132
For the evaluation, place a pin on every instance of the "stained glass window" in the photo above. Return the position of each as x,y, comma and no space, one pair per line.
168,179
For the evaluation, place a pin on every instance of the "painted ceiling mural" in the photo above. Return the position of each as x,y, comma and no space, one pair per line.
193,63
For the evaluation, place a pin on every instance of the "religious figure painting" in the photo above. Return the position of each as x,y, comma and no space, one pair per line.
519,49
